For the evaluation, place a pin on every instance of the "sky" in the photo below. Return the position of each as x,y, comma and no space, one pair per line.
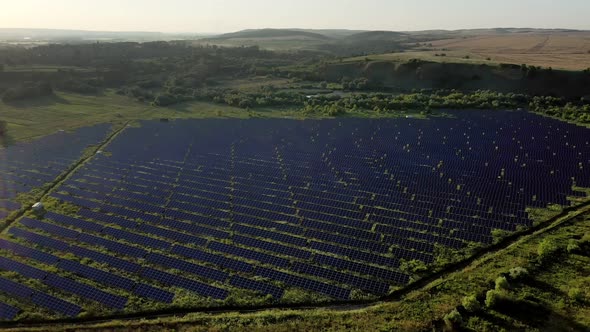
214,16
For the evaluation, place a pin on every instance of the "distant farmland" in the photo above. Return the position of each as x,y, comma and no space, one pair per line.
561,50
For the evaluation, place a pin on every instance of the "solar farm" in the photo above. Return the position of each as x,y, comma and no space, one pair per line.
213,212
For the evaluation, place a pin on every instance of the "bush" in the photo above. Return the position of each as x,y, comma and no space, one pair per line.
576,295
547,249
28,90
502,283
573,247
453,319
518,273
3,128
492,298
414,266
471,304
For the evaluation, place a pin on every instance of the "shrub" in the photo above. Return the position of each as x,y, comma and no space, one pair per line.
547,249
453,319
471,304
492,298
414,266
518,272
576,295
502,283
3,128
572,246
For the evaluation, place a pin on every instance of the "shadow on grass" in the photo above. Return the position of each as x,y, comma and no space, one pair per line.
6,141
535,283
522,312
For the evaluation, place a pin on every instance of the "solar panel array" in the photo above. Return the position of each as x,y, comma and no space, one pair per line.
327,206
30,165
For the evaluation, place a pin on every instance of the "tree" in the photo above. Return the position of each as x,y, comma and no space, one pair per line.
3,128
492,298
517,273
547,248
502,283
453,319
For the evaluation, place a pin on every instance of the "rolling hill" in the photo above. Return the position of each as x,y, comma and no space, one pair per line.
272,34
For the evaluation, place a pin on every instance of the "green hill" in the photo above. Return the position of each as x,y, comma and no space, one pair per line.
376,36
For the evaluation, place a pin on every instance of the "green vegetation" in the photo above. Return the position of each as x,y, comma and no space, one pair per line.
471,304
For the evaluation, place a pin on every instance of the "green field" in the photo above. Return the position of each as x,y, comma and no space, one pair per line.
40,117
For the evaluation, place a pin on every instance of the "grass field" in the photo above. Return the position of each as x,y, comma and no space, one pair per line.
32,119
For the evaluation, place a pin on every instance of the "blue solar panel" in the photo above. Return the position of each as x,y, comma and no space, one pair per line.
264,288
249,254
85,291
145,241
15,289
74,222
218,260
50,228
38,239
372,286
272,247
115,262
25,270
28,252
153,293
191,285
55,304
8,312
106,278
113,246
296,281
105,218
185,266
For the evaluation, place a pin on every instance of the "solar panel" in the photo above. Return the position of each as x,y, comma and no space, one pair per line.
57,305
264,288
74,222
249,254
28,252
153,293
372,286
191,285
15,289
8,312
218,260
185,266
296,281
50,228
106,278
112,301
272,247
38,239
113,245
145,241
23,269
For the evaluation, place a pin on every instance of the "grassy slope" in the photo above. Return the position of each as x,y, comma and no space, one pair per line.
36,118
31,119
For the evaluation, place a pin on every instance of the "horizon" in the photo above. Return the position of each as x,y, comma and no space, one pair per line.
205,16
291,28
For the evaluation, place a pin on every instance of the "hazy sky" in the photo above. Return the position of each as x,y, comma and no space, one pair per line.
231,15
